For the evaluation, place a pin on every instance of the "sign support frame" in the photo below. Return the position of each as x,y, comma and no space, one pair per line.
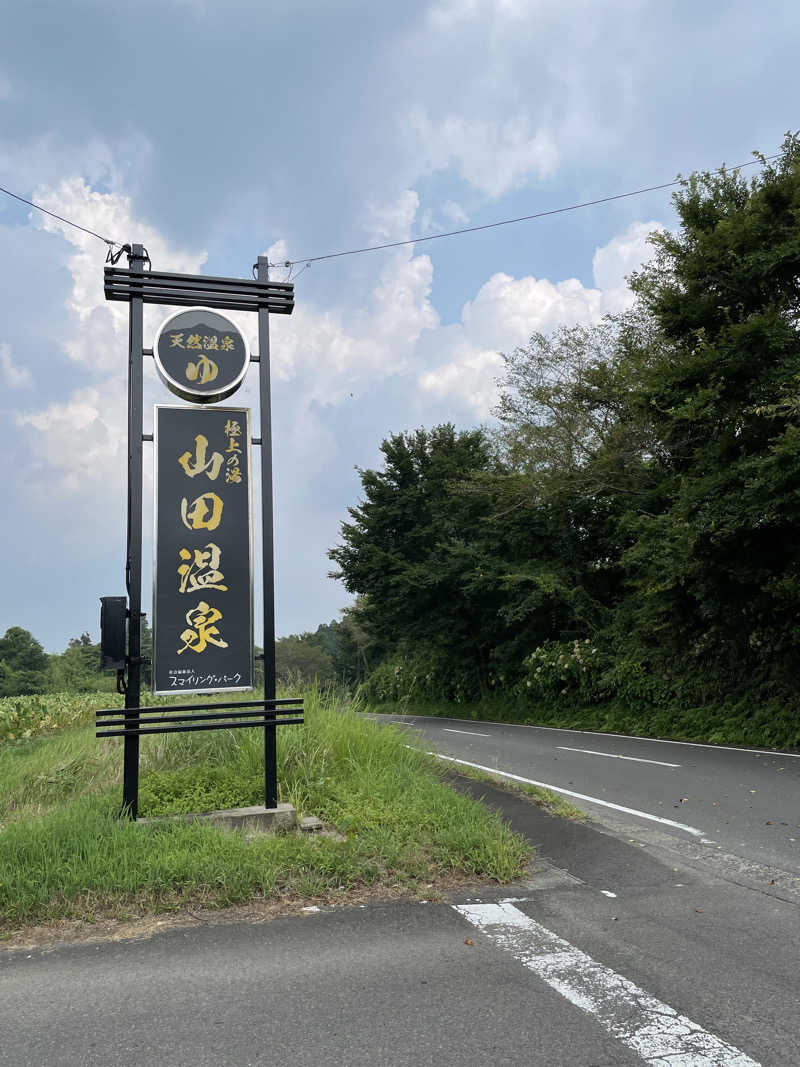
133,563
267,543
137,287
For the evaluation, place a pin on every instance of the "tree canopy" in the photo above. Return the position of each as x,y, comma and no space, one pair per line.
641,490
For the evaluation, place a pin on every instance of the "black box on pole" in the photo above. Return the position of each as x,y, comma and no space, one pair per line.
113,617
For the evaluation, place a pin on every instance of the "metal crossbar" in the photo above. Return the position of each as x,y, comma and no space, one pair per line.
134,722
188,290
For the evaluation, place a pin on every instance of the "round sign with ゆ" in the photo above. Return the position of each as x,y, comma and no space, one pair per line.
201,355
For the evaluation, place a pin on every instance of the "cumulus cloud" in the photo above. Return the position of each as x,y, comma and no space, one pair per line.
78,445
322,356
454,212
15,377
617,260
492,156
101,327
506,311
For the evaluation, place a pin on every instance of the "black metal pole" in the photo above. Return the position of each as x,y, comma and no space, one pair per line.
267,552
133,565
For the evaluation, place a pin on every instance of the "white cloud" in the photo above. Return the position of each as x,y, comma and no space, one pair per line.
492,156
393,219
15,377
467,379
328,354
454,212
618,259
101,328
277,253
80,444
506,311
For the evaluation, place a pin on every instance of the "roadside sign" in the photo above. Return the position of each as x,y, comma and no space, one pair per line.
202,551
201,355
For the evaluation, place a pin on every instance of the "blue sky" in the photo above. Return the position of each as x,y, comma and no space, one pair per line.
215,132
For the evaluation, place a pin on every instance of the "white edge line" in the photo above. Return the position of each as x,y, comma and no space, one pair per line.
652,1029
569,793
599,733
472,733
608,755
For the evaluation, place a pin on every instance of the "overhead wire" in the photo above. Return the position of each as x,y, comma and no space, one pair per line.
308,260
69,222
522,218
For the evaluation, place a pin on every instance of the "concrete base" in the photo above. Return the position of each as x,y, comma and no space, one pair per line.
310,824
257,818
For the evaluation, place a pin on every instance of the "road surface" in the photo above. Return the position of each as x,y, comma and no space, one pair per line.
745,802
630,942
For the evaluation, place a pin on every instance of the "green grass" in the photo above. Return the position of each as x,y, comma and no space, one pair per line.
65,853
551,802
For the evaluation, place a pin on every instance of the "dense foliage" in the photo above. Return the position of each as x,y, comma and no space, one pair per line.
628,535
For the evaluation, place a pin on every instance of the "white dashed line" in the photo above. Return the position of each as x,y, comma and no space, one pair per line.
649,1027
429,720
472,733
569,793
610,755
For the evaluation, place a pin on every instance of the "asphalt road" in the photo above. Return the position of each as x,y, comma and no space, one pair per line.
745,802
630,942
673,966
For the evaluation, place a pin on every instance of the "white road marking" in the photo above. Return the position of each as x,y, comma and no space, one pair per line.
569,793
652,1029
612,755
607,893
426,719
450,730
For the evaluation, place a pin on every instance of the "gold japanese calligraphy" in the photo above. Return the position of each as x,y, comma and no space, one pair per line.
233,473
203,545
201,569
204,513
208,342
200,465
203,371
201,629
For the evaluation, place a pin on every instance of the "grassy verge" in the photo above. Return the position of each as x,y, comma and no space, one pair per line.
64,853
770,724
551,802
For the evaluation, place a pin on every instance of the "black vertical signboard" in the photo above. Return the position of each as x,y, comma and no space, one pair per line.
202,551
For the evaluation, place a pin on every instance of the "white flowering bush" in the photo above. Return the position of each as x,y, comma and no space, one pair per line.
560,672
425,676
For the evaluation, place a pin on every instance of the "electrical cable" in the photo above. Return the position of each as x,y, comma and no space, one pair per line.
308,260
69,222
523,218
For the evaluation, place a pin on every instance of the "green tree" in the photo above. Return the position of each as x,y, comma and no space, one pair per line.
300,659
24,663
577,456
415,550
714,564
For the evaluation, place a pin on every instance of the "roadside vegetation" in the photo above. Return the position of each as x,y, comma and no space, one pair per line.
620,552
549,801
64,853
